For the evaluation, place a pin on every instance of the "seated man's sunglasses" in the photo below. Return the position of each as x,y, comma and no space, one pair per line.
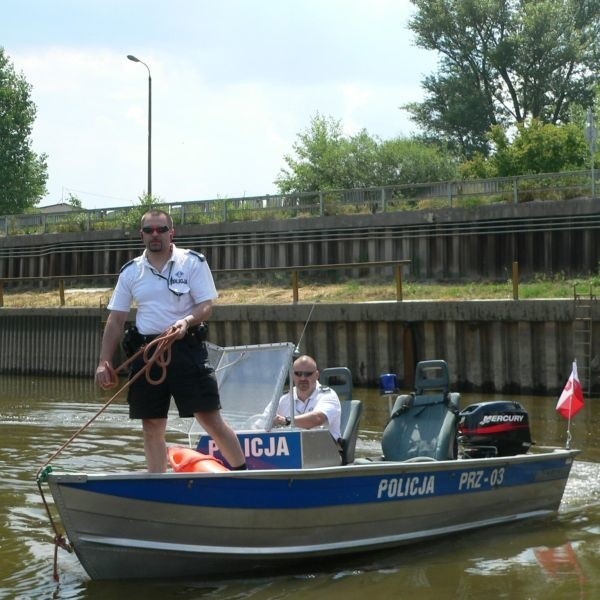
159,229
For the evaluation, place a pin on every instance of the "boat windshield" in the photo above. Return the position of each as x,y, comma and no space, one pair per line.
251,380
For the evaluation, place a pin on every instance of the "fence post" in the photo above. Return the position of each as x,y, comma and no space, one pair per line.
1,294
398,283
383,200
515,191
321,204
295,287
515,280
61,291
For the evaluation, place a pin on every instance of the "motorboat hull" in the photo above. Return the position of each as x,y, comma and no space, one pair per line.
145,525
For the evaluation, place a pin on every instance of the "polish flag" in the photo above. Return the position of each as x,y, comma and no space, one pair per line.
571,399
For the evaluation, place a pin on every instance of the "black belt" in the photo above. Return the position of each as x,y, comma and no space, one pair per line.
196,333
149,338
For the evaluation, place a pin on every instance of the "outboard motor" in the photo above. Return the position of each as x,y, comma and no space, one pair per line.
493,429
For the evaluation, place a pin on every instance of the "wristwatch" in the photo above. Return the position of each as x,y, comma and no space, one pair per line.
288,421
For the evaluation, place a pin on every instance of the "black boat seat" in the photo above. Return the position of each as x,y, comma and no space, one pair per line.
423,424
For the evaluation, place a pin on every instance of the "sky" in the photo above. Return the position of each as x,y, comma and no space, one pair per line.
234,82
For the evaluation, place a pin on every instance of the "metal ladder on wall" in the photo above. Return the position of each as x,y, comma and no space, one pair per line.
582,337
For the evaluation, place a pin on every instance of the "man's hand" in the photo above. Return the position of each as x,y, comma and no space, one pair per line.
182,325
106,377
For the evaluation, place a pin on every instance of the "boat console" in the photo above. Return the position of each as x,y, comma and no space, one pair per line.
289,448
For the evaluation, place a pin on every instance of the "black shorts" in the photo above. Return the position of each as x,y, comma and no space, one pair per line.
190,381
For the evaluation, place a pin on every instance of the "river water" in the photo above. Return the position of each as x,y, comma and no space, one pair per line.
557,557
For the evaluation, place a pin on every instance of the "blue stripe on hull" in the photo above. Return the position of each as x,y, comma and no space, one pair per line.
321,490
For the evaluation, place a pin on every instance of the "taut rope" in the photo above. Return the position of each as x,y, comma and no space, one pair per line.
157,352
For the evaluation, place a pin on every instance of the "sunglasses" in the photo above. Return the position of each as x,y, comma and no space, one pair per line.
303,373
158,229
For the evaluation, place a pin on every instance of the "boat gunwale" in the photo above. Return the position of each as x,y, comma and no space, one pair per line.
550,452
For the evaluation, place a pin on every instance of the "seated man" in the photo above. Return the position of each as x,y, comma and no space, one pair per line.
314,404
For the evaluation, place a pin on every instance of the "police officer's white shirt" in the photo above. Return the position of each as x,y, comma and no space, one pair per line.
323,399
166,296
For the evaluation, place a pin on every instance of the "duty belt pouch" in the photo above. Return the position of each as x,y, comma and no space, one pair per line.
197,335
132,341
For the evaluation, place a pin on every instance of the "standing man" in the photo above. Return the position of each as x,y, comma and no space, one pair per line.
171,287
313,404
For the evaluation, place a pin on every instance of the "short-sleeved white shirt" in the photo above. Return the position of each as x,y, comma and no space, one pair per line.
323,399
163,298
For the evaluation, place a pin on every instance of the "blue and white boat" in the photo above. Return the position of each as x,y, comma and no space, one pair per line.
306,496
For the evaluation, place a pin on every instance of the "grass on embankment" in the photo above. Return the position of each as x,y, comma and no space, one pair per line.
350,291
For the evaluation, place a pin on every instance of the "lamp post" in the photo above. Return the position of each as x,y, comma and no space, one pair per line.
135,59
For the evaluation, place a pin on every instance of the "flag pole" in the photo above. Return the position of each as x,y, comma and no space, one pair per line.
569,436
571,400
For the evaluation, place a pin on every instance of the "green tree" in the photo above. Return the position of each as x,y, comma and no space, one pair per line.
74,200
536,148
145,202
23,173
448,114
326,159
319,158
504,62
412,161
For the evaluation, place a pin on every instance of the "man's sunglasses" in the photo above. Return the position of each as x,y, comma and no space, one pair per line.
159,229
303,373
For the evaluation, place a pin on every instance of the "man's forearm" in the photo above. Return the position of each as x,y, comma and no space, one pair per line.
200,312
110,340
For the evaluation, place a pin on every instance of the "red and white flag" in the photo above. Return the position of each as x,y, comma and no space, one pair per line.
571,399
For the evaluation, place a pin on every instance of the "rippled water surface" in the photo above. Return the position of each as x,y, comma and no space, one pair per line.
557,557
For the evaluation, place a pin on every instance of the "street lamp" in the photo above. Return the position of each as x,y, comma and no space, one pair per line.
135,59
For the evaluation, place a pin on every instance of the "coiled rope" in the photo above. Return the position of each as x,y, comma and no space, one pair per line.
156,352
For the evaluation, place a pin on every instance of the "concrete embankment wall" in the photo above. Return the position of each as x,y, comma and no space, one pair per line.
518,347
464,244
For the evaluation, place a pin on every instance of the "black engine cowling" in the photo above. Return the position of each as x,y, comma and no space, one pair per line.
493,429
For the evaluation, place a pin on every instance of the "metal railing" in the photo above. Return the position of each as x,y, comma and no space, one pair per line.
293,270
407,197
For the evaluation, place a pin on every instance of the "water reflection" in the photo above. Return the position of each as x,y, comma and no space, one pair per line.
555,558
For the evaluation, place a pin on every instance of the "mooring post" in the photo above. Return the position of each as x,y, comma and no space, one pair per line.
515,280
399,282
295,286
61,291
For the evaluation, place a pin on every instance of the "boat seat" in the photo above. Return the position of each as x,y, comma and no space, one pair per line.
423,424
338,379
351,413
